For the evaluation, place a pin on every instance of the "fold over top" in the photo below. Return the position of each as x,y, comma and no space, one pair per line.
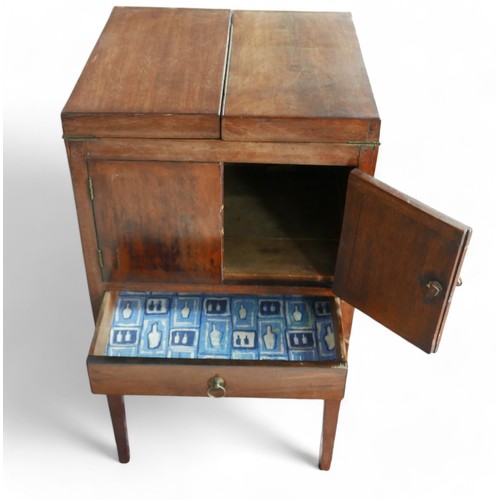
297,76
154,72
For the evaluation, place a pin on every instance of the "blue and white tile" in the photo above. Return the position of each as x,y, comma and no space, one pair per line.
154,337
186,310
325,335
122,352
124,337
270,307
129,310
244,312
157,304
215,337
323,307
301,339
244,344
272,338
182,340
220,327
305,355
242,354
172,353
299,313
216,306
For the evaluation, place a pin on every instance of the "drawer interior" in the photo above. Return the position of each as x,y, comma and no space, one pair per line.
294,328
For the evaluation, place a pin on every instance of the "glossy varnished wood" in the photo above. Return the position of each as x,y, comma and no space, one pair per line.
391,248
143,77
158,221
297,77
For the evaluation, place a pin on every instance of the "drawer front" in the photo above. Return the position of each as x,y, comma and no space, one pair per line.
260,379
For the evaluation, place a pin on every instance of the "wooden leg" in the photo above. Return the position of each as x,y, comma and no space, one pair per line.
330,417
117,412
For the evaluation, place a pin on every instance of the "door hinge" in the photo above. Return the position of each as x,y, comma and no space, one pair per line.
79,138
101,259
91,189
363,143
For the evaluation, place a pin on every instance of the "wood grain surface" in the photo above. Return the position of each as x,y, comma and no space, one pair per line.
154,72
297,77
158,221
391,248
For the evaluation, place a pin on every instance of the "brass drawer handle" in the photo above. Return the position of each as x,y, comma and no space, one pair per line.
216,387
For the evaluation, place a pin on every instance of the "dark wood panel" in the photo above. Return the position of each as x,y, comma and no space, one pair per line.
141,125
151,61
224,151
297,77
392,249
164,377
158,221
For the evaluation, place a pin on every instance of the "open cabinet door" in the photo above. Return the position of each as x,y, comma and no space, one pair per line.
398,260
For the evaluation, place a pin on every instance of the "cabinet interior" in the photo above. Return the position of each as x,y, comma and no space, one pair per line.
282,221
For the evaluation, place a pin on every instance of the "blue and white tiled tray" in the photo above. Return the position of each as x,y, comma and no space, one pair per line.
170,325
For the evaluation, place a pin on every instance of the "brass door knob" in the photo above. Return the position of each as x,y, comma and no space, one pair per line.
216,387
434,288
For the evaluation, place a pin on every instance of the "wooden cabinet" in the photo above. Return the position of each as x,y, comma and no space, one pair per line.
222,165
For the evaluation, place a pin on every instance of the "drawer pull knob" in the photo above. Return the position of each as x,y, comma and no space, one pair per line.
216,387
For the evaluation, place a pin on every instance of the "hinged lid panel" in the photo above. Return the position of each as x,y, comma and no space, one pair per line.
398,260
297,76
153,73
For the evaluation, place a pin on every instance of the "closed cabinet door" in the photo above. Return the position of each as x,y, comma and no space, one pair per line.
157,221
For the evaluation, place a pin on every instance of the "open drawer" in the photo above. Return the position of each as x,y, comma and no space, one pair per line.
194,344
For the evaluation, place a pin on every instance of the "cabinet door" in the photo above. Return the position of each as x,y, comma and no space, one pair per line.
398,260
158,221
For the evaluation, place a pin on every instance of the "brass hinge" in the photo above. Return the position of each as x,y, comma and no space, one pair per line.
364,143
79,138
91,189
101,260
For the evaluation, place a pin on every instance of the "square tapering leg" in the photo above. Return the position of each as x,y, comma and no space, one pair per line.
117,411
330,417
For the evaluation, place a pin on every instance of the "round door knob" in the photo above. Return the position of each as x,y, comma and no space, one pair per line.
216,387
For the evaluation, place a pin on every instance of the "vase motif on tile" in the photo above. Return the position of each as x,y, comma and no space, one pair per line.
269,338
215,336
185,311
297,315
242,312
330,338
127,311
154,337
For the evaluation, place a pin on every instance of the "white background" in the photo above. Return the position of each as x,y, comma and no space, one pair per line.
411,426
